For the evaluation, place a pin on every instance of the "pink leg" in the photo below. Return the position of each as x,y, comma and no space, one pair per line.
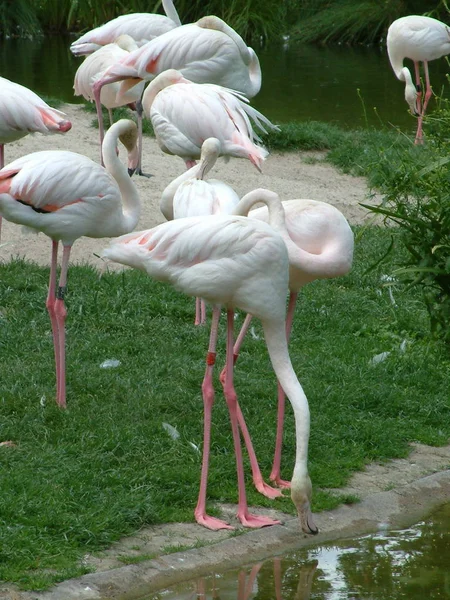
97,91
276,468
60,313
238,344
139,112
189,164
197,312
428,94
208,400
258,480
247,519
51,301
418,87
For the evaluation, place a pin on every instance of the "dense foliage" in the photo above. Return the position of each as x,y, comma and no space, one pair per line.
322,21
350,22
417,203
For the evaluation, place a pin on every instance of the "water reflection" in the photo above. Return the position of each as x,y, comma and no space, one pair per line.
336,84
390,565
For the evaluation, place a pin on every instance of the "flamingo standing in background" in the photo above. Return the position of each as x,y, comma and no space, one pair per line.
93,67
184,114
421,39
247,260
66,195
23,112
142,27
189,195
208,51
320,246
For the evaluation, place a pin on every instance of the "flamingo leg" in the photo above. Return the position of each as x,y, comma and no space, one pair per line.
111,118
428,94
246,518
418,87
139,113
276,467
60,314
258,481
101,130
51,301
208,400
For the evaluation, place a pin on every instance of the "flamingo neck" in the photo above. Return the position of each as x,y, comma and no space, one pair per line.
166,203
275,337
114,166
277,218
171,11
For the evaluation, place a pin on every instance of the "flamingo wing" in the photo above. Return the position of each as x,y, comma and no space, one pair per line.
52,179
142,27
220,258
22,112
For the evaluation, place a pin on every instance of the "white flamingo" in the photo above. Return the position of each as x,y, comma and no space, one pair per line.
23,112
190,195
66,195
247,260
142,27
184,114
320,246
93,67
420,39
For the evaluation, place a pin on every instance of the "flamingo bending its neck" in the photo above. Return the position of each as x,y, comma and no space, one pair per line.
191,195
320,246
184,114
420,39
247,260
93,67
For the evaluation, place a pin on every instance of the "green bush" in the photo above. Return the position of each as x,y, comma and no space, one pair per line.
417,206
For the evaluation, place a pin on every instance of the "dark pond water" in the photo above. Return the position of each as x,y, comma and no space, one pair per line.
411,564
299,82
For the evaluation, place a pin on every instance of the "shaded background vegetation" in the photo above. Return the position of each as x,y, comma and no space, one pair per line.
321,21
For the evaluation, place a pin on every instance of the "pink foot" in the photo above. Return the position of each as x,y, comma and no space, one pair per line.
281,483
267,490
255,521
212,522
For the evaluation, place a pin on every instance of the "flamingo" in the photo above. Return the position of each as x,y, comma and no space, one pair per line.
66,195
142,27
93,67
184,114
208,51
320,246
189,195
248,263
23,112
421,39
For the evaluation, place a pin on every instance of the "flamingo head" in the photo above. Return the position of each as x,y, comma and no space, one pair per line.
301,492
410,92
211,149
129,139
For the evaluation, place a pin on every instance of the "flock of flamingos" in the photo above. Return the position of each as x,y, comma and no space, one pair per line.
213,246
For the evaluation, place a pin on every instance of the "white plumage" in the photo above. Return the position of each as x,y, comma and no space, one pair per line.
208,51
184,114
142,27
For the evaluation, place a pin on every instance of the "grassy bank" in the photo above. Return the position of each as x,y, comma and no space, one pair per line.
79,479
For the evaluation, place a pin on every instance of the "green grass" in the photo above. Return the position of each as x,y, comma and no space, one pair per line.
81,478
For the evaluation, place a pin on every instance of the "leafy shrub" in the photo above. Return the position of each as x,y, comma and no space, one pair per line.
417,205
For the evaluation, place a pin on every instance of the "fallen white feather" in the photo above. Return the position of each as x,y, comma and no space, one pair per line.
110,363
171,431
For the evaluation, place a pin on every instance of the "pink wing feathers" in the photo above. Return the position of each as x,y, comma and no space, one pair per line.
23,111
